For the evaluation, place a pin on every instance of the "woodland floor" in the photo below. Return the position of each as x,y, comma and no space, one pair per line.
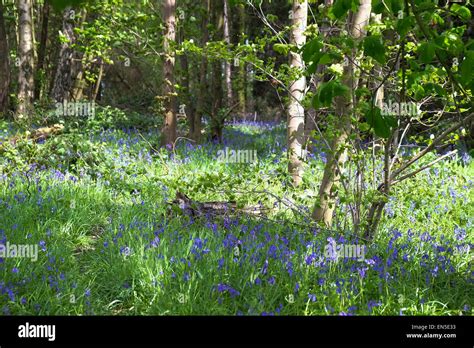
96,204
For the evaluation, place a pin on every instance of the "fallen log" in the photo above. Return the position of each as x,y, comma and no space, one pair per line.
193,208
37,135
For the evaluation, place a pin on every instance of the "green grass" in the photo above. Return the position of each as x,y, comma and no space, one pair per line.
112,246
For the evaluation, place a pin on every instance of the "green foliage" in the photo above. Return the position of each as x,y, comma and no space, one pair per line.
342,7
328,91
373,47
462,11
60,5
427,52
381,124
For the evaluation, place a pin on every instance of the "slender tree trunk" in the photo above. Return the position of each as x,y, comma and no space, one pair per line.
42,50
295,110
202,74
316,80
217,95
63,79
169,128
217,123
242,69
79,63
26,72
228,64
185,84
99,80
324,208
4,65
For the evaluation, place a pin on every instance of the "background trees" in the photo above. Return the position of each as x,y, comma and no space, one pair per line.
4,64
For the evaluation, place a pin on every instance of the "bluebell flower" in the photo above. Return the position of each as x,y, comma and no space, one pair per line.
155,242
362,271
10,293
220,263
297,287
371,304
265,267
125,251
459,233
228,288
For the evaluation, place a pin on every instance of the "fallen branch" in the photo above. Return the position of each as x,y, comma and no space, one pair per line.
196,208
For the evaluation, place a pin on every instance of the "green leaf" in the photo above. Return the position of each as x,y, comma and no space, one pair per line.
310,49
281,48
378,7
329,90
426,52
373,47
364,126
396,6
466,70
435,88
461,11
382,125
361,92
325,59
311,69
384,6
404,25
342,7
419,91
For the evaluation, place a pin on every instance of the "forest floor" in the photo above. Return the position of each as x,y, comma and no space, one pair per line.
96,205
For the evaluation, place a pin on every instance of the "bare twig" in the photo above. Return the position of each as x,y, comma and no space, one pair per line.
413,173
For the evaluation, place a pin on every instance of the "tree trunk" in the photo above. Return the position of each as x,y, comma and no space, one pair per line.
41,50
217,121
4,65
324,208
202,75
228,64
185,84
295,110
169,128
25,75
99,80
242,70
314,83
63,79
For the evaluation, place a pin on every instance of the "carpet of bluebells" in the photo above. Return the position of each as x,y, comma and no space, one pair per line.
97,206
